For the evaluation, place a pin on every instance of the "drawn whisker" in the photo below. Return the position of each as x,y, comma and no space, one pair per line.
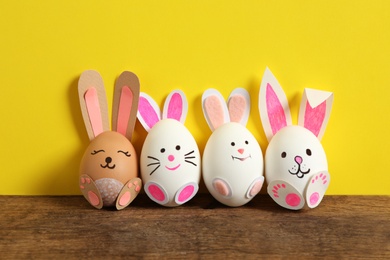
155,169
150,164
151,157
190,157
189,153
190,162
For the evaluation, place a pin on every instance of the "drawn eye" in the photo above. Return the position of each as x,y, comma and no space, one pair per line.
308,152
232,144
125,153
284,154
162,150
246,142
98,151
178,147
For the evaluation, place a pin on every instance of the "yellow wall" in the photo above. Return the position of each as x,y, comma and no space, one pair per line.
340,46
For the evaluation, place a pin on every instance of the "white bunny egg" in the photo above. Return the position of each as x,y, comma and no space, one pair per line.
233,158
294,155
296,167
232,161
170,161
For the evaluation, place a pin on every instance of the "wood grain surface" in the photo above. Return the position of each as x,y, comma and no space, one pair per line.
344,227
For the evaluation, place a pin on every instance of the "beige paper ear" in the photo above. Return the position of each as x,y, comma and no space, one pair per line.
125,104
93,103
315,110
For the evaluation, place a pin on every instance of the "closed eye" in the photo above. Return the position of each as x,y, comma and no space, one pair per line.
98,151
125,153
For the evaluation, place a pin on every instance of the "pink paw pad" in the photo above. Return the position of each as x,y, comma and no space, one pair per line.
222,187
255,187
93,198
186,192
156,192
124,200
316,189
285,195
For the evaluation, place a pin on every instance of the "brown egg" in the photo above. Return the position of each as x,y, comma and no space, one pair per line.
110,155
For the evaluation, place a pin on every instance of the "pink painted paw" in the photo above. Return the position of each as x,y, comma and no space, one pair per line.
316,188
285,195
222,187
255,187
186,192
128,193
156,193
90,191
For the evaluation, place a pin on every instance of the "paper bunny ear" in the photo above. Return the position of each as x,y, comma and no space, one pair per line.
239,104
148,111
315,111
273,105
176,106
214,109
125,104
93,103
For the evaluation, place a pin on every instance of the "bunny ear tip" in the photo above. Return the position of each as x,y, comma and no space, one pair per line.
316,97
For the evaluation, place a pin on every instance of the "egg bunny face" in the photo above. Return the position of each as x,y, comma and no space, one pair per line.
109,169
232,160
296,167
170,159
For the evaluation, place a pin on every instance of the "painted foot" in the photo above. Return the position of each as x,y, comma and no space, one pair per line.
156,193
90,191
255,187
222,187
186,192
128,193
316,188
285,195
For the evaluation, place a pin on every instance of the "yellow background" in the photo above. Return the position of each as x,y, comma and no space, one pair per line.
339,46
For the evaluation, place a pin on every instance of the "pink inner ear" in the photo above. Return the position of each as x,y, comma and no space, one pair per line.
236,108
147,112
215,113
175,107
125,103
314,117
93,107
276,115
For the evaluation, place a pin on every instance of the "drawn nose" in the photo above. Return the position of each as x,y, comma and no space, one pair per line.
241,151
171,158
108,159
298,159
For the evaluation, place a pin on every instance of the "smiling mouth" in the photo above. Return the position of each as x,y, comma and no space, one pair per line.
173,168
108,166
241,158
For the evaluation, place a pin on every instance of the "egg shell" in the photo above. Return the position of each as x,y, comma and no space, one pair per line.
104,161
294,141
173,171
220,160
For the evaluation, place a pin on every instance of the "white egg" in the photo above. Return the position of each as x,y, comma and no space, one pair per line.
170,163
232,163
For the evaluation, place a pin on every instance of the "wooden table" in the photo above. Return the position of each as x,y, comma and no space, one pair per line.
67,227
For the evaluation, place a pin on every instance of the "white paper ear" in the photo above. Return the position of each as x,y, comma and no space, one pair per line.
93,102
148,111
214,109
315,111
176,106
125,104
239,104
273,105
